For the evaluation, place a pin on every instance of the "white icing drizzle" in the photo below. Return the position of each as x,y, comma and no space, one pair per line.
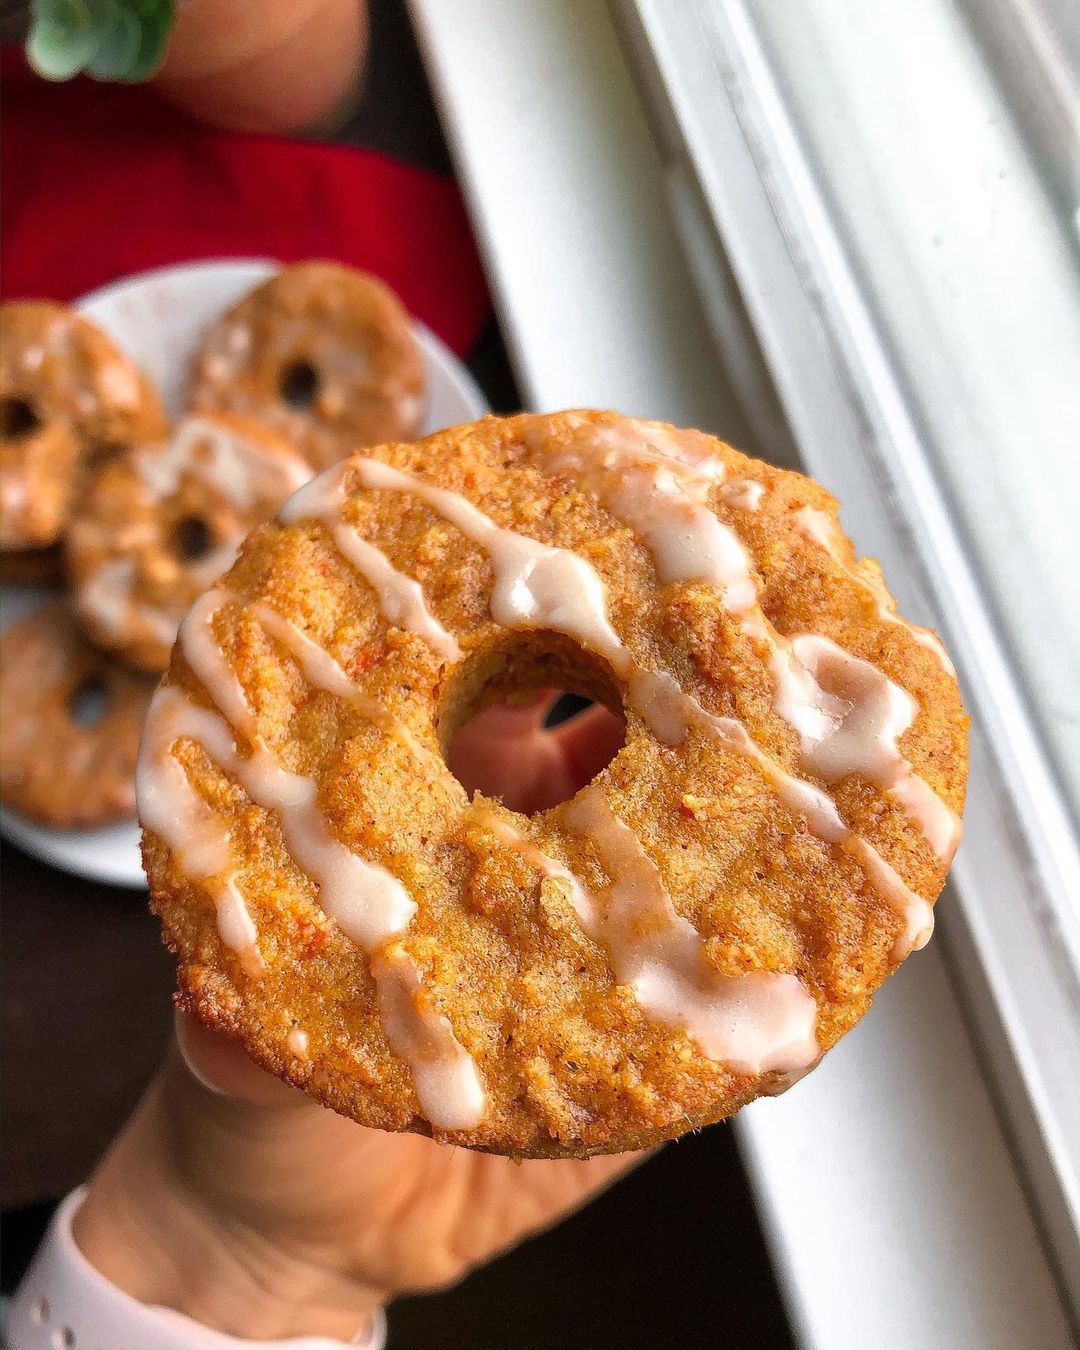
366,901
401,598
663,510
536,586
239,469
754,1023
119,384
319,667
549,867
823,530
649,443
854,731
672,713
225,460
86,384
196,835
321,671
106,594
662,502
444,1074
850,717
204,656
744,493
779,1085
316,664
539,586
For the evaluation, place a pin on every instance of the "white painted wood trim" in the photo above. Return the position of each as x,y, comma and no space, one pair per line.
894,1214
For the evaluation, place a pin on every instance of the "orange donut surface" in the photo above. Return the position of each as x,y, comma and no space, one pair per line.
694,928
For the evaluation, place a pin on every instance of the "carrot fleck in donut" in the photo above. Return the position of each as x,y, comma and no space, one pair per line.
694,928
72,718
158,523
323,353
65,391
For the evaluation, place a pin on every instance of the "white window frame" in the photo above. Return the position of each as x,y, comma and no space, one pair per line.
579,208
1013,930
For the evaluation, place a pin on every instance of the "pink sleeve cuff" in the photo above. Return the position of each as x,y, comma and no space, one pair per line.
64,1301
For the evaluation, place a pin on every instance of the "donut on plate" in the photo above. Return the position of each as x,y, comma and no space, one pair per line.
66,392
71,717
321,352
158,523
694,928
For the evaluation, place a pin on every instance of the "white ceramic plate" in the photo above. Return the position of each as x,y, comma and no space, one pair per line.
159,318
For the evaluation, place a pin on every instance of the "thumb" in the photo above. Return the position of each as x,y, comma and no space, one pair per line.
220,1064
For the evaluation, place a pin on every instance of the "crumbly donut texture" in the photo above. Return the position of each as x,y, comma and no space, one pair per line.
695,928
323,353
71,717
66,392
159,523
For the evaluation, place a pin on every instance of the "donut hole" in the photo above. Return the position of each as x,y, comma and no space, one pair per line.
89,702
494,737
192,538
18,419
299,385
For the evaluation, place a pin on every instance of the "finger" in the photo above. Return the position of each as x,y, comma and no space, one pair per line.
587,743
517,718
506,753
221,1064
551,766
501,752
543,702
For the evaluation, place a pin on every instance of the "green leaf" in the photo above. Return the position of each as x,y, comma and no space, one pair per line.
111,39
62,38
156,21
118,47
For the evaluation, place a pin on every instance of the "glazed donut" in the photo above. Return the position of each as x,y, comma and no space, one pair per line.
323,353
695,927
66,390
37,482
158,523
72,718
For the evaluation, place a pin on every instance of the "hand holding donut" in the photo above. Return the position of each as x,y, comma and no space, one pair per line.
257,1212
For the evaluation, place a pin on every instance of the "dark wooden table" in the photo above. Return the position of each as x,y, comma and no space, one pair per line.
672,1257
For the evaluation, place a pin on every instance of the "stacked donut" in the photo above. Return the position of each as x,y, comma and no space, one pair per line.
139,516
